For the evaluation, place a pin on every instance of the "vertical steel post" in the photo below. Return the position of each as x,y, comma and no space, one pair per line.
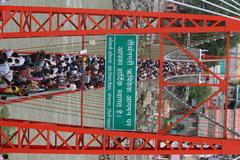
81,101
226,83
0,135
161,82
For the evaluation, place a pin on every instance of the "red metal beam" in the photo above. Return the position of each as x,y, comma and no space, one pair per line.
39,96
97,141
45,21
226,83
82,83
161,81
220,57
191,84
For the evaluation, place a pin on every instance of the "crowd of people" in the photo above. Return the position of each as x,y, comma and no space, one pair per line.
24,74
149,69
180,68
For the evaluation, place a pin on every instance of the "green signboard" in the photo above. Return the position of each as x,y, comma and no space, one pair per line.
120,82
222,67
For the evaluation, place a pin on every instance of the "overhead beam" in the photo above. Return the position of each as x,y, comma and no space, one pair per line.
52,22
41,138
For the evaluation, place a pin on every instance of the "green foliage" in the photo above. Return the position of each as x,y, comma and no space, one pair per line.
218,47
184,9
201,4
165,122
199,93
179,127
4,113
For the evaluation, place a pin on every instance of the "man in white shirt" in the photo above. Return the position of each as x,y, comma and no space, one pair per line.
5,67
9,52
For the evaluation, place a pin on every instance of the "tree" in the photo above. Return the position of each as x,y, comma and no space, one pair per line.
206,6
179,127
199,93
218,47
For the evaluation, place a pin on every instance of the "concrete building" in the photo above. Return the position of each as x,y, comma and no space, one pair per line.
208,129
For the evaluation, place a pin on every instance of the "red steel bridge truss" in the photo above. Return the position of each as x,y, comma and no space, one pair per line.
26,22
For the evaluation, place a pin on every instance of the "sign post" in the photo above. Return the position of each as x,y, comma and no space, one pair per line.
222,67
120,82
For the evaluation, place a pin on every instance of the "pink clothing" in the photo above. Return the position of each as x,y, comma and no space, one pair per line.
36,78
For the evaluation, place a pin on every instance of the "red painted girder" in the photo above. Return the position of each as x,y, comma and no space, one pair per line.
36,96
27,22
220,57
39,137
